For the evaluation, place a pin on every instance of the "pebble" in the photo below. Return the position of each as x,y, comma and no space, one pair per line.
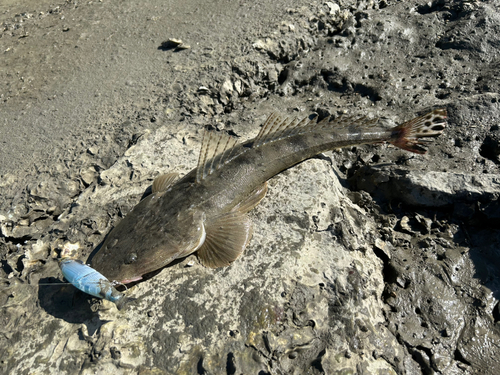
383,246
88,176
93,150
175,44
334,8
203,90
404,223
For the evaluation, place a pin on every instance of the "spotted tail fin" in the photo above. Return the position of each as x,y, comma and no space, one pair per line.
407,136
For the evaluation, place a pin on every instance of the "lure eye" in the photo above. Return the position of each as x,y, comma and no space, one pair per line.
131,258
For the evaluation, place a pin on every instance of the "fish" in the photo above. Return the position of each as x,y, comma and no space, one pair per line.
89,281
205,212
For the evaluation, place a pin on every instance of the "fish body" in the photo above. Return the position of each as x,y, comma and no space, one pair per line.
90,281
206,210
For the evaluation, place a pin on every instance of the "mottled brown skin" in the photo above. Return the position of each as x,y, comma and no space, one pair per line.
169,224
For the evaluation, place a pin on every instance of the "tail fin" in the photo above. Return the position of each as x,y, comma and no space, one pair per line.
406,136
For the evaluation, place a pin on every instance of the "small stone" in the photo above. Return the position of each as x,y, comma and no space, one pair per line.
238,86
88,176
73,188
226,91
227,86
334,8
404,224
70,250
272,75
177,87
203,90
383,246
174,43
54,210
24,222
266,45
425,222
401,282
93,150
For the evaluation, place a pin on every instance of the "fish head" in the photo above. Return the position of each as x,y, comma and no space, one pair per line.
140,246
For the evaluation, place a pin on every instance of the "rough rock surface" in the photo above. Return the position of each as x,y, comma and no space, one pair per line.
366,260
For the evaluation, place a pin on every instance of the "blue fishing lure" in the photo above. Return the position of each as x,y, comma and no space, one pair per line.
91,282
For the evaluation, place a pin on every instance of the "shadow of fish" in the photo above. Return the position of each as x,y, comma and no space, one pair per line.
206,210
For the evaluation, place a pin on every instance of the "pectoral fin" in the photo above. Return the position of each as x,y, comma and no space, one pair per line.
252,200
163,182
226,237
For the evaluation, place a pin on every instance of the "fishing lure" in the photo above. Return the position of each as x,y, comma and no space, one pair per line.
89,281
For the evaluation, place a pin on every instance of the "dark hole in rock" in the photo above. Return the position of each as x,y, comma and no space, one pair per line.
230,367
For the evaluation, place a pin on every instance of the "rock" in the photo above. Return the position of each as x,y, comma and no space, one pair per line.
70,250
334,8
225,91
272,75
175,44
88,176
265,45
93,150
203,90
430,189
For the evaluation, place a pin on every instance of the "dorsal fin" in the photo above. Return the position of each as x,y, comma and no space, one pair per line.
163,182
277,127
216,150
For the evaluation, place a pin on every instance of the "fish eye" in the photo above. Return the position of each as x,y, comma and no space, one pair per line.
131,258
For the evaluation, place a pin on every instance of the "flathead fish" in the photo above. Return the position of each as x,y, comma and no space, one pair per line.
206,210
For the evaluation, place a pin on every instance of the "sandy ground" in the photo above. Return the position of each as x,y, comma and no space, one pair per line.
365,260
